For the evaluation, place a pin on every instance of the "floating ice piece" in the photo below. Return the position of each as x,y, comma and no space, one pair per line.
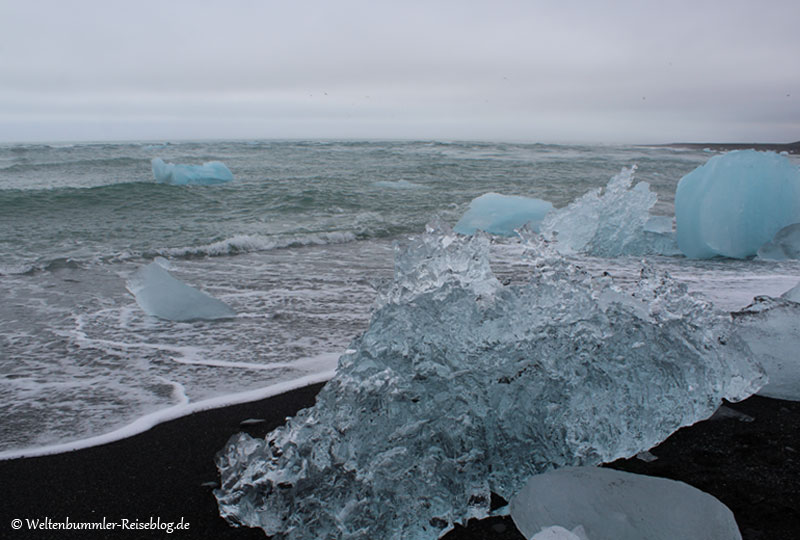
735,203
616,505
785,244
502,214
163,296
771,328
611,222
461,387
212,172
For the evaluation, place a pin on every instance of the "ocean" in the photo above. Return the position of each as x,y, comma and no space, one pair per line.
297,244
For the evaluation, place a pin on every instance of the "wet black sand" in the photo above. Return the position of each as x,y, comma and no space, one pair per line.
752,466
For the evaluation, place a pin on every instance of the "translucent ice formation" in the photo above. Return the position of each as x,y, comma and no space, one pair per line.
616,505
462,386
163,296
735,203
785,244
502,214
771,328
611,222
212,172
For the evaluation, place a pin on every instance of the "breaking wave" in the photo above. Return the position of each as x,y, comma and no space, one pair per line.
246,243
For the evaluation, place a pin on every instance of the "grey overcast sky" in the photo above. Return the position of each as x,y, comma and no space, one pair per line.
536,70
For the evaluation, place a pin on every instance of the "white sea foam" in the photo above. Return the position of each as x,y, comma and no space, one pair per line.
246,243
182,408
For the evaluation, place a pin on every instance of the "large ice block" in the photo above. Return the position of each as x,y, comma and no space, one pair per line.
502,214
160,294
735,203
616,505
462,386
212,172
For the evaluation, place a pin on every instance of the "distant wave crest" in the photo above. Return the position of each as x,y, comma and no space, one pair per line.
245,243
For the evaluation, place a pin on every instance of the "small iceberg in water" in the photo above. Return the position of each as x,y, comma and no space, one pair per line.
161,295
502,214
612,222
212,172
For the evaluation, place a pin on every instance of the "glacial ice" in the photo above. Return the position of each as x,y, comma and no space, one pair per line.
785,244
735,203
212,172
611,222
462,386
771,328
161,295
502,214
616,505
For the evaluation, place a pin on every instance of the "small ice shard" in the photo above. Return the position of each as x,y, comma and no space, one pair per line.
735,203
616,505
785,244
502,214
727,413
159,294
611,222
212,172
646,456
771,328
461,387
560,533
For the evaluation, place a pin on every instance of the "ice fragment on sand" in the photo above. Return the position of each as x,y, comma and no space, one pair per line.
611,222
461,387
785,244
212,172
502,214
159,294
735,203
616,505
771,328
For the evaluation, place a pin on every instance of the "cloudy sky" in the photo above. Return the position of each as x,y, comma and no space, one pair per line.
535,70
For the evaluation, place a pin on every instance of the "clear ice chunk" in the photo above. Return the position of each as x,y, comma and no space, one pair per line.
735,203
462,386
502,214
771,328
161,295
785,244
212,172
611,222
616,505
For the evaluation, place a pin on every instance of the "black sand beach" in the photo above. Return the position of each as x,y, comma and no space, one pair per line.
753,466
